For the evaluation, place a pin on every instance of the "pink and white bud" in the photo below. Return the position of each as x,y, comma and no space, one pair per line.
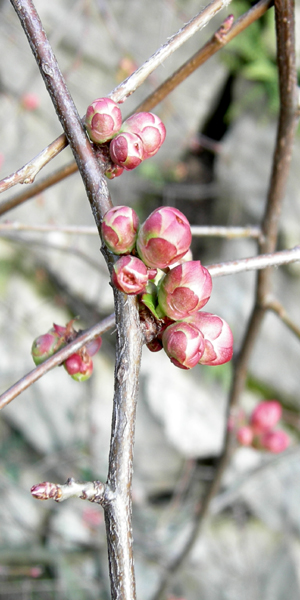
184,290
149,128
103,120
119,229
80,368
218,338
266,415
245,435
275,441
164,237
130,275
184,344
45,346
126,150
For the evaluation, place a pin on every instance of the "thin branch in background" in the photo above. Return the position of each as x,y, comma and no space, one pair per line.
279,310
288,117
38,188
28,173
56,360
197,230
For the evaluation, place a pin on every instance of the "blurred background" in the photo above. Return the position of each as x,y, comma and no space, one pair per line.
214,166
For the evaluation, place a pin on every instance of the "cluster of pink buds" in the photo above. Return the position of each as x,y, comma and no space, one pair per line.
138,138
79,365
175,294
260,429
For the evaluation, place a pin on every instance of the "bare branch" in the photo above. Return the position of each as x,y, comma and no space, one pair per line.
35,189
279,310
94,491
197,230
255,263
56,360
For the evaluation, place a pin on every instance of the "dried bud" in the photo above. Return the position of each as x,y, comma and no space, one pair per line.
119,229
103,120
218,338
79,367
184,290
126,150
155,345
130,275
184,344
149,128
93,346
275,441
245,435
266,415
164,237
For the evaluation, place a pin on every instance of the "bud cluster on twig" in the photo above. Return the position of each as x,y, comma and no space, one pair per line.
79,365
155,265
260,429
138,138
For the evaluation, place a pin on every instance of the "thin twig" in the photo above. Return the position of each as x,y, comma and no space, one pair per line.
37,188
259,262
94,491
56,360
197,230
279,310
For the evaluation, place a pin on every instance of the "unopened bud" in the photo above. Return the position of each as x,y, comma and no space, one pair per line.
245,435
275,441
218,338
103,120
164,237
126,150
130,275
149,128
119,229
183,344
80,368
45,346
184,290
266,415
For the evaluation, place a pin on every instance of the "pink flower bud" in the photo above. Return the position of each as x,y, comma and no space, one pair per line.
103,120
266,415
149,128
245,435
78,367
30,101
164,237
218,338
184,344
126,150
113,171
184,290
119,229
45,346
275,441
130,275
